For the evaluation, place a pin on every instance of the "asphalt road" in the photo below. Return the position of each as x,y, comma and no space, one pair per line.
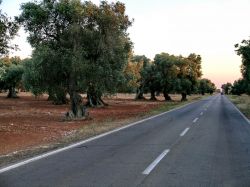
206,143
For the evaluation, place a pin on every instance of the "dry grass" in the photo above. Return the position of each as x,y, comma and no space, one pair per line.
242,102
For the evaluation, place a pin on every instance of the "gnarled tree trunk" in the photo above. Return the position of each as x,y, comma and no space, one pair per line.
153,98
166,96
12,93
139,93
77,110
94,97
183,97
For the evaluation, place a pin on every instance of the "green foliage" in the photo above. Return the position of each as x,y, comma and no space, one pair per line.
13,75
243,50
79,46
132,77
11,70
167,69
136,74
32,78
8,30
238,87
169,73
2,75
153,80
206,86
142,59
226,88
189,72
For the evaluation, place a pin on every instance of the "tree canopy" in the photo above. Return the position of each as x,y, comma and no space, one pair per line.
206,86
169,74
227,88
8,30
243,50
238,87
79,46
11,70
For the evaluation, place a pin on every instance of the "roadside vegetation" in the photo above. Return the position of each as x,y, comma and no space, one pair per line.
242,102
82,58
239,91
242,85
30,125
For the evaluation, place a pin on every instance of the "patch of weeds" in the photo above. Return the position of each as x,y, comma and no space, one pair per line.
242,103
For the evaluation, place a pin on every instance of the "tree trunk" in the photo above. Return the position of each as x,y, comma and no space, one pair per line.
94,97
166,96
139,93
50,98
183,97
12,93
78,110
152,98
95,101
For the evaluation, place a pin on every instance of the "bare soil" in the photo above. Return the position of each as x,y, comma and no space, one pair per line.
32,125
31,121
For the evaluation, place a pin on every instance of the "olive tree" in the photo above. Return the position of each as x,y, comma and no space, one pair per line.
11,70
79,46
189,71
167,68
243,50
8,29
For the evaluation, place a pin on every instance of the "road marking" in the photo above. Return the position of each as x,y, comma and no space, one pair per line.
32,159
195,120
155,162
185,131
245,118
201,113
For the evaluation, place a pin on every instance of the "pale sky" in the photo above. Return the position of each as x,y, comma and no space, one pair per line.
206,27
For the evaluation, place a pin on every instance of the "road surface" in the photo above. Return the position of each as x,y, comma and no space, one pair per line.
206,143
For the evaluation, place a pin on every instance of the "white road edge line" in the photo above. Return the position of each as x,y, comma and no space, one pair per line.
201,113
247,120
155,162
185,131
195,120
24,162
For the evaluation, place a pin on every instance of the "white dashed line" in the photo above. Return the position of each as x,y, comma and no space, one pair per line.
155,162
184,132
201,113
195,120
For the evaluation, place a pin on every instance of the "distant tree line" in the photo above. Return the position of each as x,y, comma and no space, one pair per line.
80,47
166,74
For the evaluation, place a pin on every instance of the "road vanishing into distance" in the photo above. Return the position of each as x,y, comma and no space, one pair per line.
206,143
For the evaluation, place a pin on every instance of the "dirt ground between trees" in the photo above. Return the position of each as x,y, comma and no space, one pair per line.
31,122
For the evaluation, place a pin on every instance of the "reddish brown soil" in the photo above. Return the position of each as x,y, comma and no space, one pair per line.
28,121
